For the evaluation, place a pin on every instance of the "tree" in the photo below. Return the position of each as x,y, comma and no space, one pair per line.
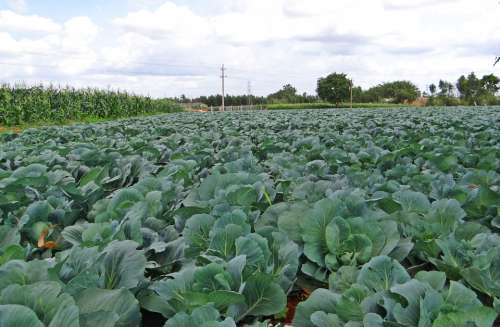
432,89
445,88
463,86
287,94
471,88
357,94
478,91
334,88
490,83
395,92
403,91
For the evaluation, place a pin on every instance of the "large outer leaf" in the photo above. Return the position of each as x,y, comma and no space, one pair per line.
445,214
120,302
11,252
20,272
13,315
290,220
322,319
211,278
436,279
235,268
314,227
9,236
411,291
123,265
263,297
382,273
99,318
485,274
123,200
350,306
373,320
412,201
196,232
223,240
256,250
284,259
321,300
205,316
46,299
479,317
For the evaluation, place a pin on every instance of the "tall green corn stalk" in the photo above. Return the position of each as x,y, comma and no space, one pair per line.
37,104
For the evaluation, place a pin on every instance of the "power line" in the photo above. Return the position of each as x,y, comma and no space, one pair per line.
267,75
264,79
164,64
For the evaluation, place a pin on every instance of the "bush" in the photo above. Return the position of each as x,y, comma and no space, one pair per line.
326,105
444,101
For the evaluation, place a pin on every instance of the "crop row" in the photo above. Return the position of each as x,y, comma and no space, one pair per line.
36,104
387,217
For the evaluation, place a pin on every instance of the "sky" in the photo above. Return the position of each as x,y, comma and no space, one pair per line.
168,48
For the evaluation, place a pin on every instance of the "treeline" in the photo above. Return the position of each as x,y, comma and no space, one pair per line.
229,100
468,90
336,89
29,104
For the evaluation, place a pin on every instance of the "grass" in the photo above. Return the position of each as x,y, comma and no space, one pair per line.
324,105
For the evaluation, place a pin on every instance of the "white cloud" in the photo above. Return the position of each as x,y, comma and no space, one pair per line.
163,48
178,24
77,39
13,22
414,4
38,45
8,45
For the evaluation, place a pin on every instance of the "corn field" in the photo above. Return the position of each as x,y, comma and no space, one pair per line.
29,104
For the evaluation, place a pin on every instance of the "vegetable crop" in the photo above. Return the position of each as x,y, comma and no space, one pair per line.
389,217
38,104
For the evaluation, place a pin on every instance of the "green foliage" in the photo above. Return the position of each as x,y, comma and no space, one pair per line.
475,91
206,316
214,220
432,89
393,92
46,300
36,104
471,91
325,105
288,94
334,88
229,100
385,295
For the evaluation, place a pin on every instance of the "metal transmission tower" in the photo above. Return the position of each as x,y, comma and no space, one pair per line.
223,76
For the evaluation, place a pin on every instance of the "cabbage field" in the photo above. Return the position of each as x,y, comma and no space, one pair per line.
365,217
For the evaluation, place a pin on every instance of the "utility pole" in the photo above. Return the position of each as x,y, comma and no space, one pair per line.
250,93
223,76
